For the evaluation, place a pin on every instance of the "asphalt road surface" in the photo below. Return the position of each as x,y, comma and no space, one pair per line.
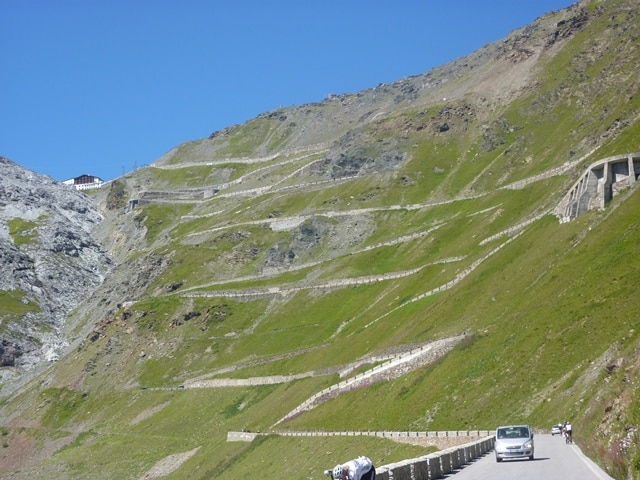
553,459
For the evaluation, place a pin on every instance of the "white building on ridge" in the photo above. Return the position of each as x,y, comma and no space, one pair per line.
85,182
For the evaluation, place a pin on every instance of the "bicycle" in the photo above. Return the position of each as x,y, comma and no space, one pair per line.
568,437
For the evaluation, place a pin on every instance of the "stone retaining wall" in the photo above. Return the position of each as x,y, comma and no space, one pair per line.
397,435
601,181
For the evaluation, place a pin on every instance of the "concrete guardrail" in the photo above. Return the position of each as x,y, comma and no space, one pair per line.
428,467
435,465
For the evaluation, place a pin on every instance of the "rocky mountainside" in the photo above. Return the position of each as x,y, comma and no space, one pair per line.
288,273
49,261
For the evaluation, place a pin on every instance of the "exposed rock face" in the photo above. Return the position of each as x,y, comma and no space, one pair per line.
9,352
49,262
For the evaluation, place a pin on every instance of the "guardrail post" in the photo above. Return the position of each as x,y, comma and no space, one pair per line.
445,463
456,460
469,454
421,469
401,471
435,471
382,474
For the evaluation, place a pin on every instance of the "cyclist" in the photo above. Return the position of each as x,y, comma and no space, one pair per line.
360,468
568,432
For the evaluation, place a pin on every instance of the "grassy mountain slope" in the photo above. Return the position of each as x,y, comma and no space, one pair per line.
320,236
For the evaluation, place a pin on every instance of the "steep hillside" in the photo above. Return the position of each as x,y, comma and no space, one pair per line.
49,262
262,273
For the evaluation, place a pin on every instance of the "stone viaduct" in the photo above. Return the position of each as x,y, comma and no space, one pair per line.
602,181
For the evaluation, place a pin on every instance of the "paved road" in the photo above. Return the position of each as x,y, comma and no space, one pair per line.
553,460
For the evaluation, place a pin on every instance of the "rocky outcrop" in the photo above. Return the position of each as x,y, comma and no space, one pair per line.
9,353
49,262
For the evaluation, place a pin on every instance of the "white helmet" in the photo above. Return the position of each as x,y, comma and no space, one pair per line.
337,471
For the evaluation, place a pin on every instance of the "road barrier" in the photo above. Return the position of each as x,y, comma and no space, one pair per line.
428,467
435,465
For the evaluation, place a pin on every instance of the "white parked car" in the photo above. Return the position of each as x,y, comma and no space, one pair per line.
514,441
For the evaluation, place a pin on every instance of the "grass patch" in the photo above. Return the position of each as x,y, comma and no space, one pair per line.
14,305
23,232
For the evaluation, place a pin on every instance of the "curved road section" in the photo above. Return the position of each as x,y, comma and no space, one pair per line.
554,460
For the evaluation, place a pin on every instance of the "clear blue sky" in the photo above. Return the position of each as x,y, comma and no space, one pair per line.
104,86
